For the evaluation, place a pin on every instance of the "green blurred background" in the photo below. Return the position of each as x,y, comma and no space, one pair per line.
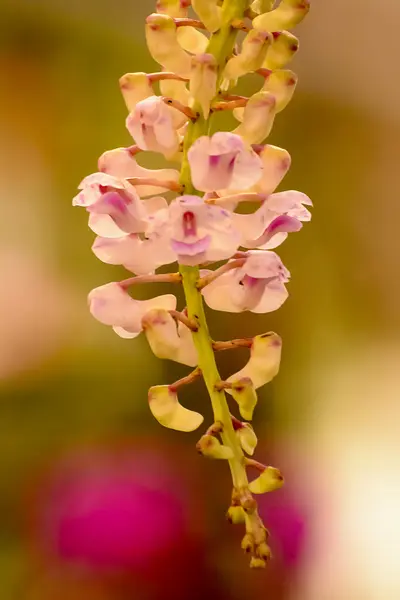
73,395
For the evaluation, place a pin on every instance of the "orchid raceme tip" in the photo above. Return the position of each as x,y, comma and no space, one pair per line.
190,218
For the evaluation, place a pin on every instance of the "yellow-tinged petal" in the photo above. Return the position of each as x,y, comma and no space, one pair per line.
245,395
253,53
270,480
165,407
287,15
162,41
192,40
281,51
209,13
209,446
281,84
258,118
135,87
247,437
264,361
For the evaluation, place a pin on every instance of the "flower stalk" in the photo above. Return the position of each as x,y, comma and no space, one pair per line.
142,230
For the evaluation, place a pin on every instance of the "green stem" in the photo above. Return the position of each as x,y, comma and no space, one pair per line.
221,46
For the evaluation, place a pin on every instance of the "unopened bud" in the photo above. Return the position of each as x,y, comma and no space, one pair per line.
257,563
210,447
162,41
192,40
265,357
203,80
276,163
247,437
252,55
281,84
287,15
166,408
209,13
248,543
263,551
269,481
245,395
258,118
235,515
134,88
281,51
172,8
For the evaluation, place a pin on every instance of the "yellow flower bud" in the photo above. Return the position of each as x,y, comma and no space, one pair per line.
209,13
235,515
245,395
203,80
209,446
269,481
162,41
258,118
287,15
166,408
281,51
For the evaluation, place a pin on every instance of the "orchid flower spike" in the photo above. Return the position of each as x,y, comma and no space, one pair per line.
213,200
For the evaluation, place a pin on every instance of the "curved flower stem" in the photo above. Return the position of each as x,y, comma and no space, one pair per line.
221,46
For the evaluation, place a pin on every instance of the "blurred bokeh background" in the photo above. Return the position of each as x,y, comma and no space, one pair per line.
97,501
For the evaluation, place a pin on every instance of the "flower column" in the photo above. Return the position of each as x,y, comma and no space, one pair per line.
141,230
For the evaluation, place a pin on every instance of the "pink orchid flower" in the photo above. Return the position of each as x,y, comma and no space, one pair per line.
113,205
152,127
223,162
257,286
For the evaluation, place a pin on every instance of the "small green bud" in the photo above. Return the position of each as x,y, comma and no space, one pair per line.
269,481
210,447
235,515
166,408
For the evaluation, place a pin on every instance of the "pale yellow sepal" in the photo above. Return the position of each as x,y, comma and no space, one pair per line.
209,13
252,55
258,118
269,481
192,40
281,51
209,446
287,15
203,81
162,41
166,408
134,88
248,439
167,339
281,84
244,393
264,361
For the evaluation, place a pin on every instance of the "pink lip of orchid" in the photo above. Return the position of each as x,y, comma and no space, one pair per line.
223,162
257,286
201,219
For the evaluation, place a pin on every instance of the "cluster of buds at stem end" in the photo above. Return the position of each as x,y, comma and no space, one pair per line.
190,218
